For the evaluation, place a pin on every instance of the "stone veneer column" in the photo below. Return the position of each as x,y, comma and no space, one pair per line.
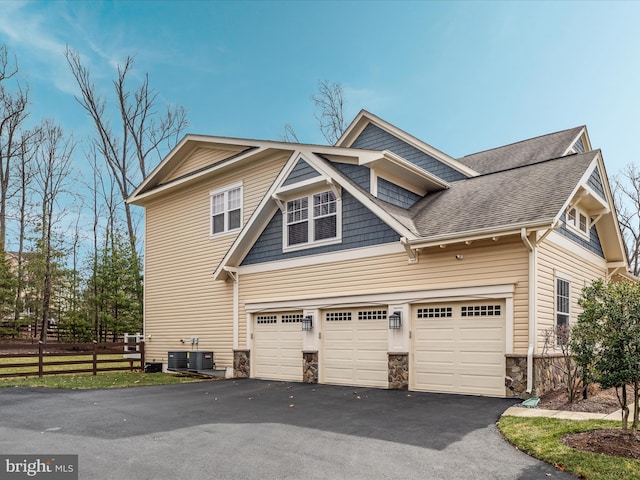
241,363
310,367
398,370
515,380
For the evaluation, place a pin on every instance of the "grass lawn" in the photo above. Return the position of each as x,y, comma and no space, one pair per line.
117,379
101,380
540,437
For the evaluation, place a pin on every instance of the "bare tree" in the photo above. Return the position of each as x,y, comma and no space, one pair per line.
13,112
25,173
329,103
52,176
627,195
289,134
144,132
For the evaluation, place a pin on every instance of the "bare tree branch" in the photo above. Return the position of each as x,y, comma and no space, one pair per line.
329,103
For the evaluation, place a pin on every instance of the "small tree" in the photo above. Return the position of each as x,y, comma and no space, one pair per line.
607,338
558,338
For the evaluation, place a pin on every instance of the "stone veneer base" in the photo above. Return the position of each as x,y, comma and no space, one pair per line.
241,363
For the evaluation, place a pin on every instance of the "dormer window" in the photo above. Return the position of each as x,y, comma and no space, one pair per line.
578,221
312,220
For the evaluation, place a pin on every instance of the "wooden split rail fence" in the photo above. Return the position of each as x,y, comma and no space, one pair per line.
132,356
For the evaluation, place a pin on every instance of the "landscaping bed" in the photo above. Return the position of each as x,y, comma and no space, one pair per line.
608,441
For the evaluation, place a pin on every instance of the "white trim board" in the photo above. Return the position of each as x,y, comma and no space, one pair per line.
461,293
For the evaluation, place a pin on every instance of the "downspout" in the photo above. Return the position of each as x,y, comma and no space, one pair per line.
233,273
532,305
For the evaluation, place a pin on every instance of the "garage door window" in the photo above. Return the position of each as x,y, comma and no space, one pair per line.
481,311
292,318
338,317
435,312
262,319
372,315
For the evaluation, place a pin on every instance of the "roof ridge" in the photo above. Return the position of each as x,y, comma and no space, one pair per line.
521,141
528,165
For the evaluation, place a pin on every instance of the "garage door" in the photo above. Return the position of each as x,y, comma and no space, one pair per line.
277,346
459,348
355,343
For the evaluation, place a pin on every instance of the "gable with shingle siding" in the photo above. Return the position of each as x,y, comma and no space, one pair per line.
375,138
360,228
595,182
302,171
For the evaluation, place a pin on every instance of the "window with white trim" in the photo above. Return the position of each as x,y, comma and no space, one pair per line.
563,302
578,220
312,220
226,209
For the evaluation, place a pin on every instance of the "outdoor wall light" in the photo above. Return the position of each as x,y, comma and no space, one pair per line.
307,323
395,320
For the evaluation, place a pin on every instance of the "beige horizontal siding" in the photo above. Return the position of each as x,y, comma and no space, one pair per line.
555,261
200,158
181,298
437,268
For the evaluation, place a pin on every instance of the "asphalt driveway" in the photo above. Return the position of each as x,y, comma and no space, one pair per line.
251,429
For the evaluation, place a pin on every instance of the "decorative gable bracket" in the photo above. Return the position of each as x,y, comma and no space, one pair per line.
412,253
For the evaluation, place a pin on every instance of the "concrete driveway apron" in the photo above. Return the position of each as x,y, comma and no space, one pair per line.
252,429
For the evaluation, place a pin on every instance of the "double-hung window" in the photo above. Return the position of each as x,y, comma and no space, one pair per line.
563,301
226,209
312,219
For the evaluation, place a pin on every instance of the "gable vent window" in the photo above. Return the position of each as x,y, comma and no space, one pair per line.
312,220
481,311
226,209
578,221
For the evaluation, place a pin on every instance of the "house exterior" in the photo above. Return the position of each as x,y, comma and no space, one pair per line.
292,261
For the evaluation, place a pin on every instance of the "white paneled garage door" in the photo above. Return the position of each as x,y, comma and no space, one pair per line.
355,343
459,348
277,346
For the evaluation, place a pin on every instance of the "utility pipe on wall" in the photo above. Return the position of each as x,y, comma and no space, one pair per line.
532,305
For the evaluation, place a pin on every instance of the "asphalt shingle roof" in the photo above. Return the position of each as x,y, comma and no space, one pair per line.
523,195
521,153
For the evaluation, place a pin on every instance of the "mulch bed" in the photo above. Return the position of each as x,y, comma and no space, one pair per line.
597,401
613,441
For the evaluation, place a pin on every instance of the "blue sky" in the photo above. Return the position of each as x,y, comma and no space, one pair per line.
462,76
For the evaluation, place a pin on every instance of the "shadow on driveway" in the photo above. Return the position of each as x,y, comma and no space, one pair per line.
425,420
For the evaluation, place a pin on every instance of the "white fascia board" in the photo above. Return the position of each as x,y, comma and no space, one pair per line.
190,178
480,234
365,117
449,293
191,141
324,258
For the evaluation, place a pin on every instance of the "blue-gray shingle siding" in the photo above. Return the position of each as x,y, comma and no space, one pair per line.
374,138
595,182
302,171
593,244
358,174
360,228
579,146
396,195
